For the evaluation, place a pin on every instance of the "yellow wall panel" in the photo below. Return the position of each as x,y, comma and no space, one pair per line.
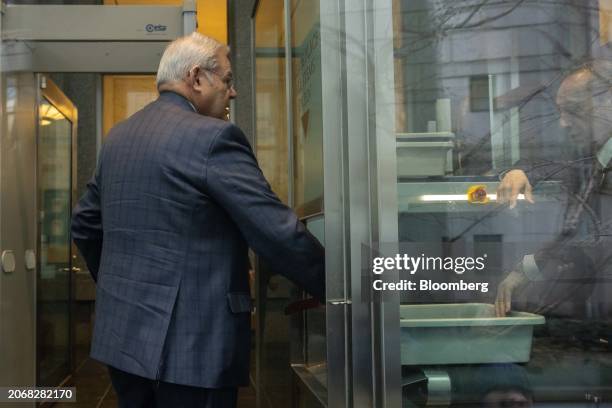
124,95
269,24
212,18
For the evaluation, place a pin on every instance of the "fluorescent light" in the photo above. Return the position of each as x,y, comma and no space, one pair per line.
432,198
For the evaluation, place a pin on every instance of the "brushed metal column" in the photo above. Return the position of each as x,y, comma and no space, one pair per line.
18,229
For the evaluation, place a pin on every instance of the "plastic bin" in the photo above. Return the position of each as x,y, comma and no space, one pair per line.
423,158
465,333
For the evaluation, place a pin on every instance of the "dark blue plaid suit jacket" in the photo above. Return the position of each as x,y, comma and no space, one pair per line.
164,228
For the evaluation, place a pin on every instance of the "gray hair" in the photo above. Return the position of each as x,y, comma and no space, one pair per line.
186,52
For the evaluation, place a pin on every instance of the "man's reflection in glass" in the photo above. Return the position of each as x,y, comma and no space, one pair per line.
566,268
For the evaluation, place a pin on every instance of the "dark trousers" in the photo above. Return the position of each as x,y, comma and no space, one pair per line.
137,392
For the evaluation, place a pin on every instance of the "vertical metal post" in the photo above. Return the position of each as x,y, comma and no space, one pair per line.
99,115
384,197
2,118
2,121
253,77
337,219
497,141
259,290
289,103
371,193
189,17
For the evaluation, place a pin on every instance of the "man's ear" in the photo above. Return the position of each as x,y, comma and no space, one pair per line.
193,76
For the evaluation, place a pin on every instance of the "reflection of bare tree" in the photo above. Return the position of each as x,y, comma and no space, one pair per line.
446,17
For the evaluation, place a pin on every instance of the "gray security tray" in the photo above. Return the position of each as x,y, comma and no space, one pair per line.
464,333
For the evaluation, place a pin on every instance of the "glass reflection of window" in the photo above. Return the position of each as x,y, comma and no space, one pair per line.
11,98
11,103
53,286
307,107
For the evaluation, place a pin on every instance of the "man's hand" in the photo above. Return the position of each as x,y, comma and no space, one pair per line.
513,183
512,282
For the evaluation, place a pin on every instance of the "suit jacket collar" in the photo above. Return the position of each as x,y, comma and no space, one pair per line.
605,153
177,100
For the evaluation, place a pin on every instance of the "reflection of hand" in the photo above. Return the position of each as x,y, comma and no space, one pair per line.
513,183
503,301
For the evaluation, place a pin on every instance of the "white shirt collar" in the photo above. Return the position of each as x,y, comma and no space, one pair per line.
192,107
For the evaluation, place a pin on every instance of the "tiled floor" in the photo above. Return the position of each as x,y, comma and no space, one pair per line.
94,390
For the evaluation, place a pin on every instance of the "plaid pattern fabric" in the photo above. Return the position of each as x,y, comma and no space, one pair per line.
164,226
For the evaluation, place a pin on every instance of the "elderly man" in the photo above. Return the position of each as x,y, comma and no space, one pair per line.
566,268
165,226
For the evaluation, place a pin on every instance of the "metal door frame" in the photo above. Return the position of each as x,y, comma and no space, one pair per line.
366,208
337,220
360,199
135,43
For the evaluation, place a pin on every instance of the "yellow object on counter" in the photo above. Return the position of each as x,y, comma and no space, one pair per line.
477,194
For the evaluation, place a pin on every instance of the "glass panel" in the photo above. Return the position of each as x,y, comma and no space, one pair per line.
274,291
518,91
124,95
308,154
289,332
307,107
53,288
271,110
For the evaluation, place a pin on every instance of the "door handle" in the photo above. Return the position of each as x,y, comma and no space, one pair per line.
339,302
73,269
